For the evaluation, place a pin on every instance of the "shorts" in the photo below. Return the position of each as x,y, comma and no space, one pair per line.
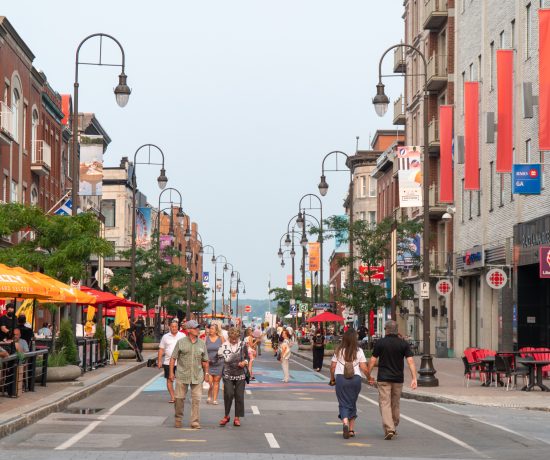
166,368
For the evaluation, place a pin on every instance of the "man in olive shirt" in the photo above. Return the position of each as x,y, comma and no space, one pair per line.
390,352
191,358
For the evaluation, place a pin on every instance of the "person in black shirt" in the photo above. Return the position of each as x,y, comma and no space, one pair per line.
390,352
137,332
7,322
318,347
27,333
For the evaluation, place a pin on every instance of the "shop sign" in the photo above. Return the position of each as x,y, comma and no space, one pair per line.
526,179
496,278
473,258
544,262
444,287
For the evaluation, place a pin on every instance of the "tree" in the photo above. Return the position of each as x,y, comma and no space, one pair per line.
61,246
282,296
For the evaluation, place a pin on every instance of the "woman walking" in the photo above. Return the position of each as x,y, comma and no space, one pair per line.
345,372
233,354
318,349
214,340
285,354
251,344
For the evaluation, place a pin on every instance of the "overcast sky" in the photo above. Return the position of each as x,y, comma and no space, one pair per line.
245,97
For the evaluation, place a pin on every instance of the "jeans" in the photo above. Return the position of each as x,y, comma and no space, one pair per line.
347,392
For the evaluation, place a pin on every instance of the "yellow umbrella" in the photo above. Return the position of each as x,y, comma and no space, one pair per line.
121,319
26,308
91,313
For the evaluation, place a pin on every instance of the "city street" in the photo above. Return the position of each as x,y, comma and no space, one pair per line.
133,419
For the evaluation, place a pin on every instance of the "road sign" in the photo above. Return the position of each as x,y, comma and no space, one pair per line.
424,290
247,308
527,179
303,307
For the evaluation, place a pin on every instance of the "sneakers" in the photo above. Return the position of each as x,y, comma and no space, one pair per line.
178,424
389,435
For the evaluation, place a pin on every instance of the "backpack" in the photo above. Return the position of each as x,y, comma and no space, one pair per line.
349,369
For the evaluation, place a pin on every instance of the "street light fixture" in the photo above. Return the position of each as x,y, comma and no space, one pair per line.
280,253
300,220
427,372
323,186
287,240
122,91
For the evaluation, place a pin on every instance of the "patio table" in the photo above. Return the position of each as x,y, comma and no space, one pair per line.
535,373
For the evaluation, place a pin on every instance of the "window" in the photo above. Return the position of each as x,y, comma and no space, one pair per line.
528,151
513,33
479,69
470,205
491,177
492,66
372,186
372,217
363,192
463,81
471,72
14,197
501,194
541,161
501,40
108,208
362,215
15,99
463,199
479,195
527,30
24,126
34,196
6,189
34,134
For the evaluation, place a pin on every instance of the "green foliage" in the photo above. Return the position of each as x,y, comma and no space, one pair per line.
100,335
61,245
148,339
282,296
57,359
124,345
66,342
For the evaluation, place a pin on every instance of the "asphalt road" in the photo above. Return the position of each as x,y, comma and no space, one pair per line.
133,419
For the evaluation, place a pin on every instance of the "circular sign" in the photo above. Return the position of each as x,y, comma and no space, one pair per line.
496,278
443,287
533,173
247,308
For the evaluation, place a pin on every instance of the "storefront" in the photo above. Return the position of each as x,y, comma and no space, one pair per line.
532,288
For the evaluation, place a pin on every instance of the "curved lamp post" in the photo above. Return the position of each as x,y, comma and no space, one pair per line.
180,215
162,181
426,372
215,261
289,242
122,94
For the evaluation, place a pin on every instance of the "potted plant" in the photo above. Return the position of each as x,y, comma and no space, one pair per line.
62,361
149,343
124,351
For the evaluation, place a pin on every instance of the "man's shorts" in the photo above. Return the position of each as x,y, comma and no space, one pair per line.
166,368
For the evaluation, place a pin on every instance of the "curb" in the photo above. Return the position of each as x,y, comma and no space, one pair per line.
439,399
30,417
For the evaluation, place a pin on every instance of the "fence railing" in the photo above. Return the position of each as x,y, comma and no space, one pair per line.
6,119
19,372
41,153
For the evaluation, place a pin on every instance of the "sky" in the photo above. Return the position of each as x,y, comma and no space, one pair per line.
244,97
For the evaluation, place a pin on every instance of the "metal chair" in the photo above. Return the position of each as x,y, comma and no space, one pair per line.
504,366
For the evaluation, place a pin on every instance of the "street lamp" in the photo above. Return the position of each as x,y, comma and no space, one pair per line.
292,251
180,214
122,94
216,262
427,372
188,258
162,180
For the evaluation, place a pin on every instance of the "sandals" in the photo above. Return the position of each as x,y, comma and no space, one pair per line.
208,401
345,431
351,434
224,421
236,422
215,403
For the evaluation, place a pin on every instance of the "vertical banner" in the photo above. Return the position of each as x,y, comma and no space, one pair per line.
505,89
165,243
143,228
314,258
206,279
446,154
233,294
410,177
544,79
91,166
219,285
471,135
308,287
289,282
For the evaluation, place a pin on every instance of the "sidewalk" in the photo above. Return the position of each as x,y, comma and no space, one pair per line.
16,413
451,389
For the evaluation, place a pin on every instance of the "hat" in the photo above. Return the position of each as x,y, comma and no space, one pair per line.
191,324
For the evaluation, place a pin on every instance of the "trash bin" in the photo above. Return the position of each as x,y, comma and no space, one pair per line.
441,350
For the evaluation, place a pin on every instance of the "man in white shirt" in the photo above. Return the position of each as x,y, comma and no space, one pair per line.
166,347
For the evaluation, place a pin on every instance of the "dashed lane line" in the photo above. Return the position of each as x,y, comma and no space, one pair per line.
272,441
248,392
255,410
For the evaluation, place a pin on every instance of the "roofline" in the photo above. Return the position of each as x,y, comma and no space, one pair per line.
8,27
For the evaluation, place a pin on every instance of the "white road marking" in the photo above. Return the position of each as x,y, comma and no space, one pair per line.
310,370
434,430
255,410
272,441
248,392
78,436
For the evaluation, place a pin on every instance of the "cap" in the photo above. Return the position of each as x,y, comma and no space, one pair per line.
191,324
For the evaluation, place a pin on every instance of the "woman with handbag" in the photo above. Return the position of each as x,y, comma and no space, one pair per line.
345,372
284,354
214,341
251,344
234,355
318,349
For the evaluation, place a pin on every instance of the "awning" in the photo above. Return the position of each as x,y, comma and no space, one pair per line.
326,317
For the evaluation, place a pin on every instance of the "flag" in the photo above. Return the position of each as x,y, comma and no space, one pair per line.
66,208
505,91
471,135
446,156
544,79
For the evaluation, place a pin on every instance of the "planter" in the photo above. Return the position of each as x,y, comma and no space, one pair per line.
126,354
329,353
151,346
63,373
304,347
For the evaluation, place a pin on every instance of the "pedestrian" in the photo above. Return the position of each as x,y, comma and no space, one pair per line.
214,340
137,332
45,331
251,344
345,372
284,354
27,333
166,347
7,322
21,345
274,341
191,358
318,347
390,352
234,354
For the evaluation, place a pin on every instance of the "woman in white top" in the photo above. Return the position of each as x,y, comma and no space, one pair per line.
284,350
345,372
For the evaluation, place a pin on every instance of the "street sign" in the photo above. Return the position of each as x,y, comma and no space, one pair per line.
247,308
443,287
303,307
424,290
527,179
496,278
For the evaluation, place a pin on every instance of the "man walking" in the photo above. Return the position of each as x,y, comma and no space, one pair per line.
191,358
166,347
390,352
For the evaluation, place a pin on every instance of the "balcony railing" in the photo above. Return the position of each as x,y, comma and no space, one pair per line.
41,158
433,133
399,65
398,111
441,262
436,207
6,120
437,72
435,14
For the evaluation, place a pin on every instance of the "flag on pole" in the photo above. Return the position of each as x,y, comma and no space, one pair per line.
66,208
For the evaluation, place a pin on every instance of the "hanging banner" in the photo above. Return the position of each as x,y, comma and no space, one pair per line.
91,166
544,262
219,285
505,89
206,279
308,287
446,154
471,135
410,177
233,294
289,282
544,79
166,242
143,228
314,257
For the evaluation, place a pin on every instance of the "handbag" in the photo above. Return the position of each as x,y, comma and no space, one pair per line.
245,368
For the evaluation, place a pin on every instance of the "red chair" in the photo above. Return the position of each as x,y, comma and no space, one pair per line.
524,352
474,365
545,356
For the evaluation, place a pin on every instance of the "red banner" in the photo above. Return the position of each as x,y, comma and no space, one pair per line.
289,285
446,154
505,89
544,79
471,135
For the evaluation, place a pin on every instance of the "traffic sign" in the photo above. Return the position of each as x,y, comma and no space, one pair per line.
424,290
303,307
247,308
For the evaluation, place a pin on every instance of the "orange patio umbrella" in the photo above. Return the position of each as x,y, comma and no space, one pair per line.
17,282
